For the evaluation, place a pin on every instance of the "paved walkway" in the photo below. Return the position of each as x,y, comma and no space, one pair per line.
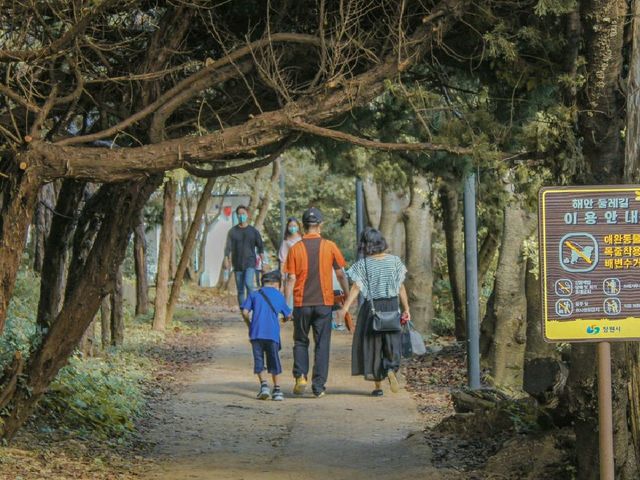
216,429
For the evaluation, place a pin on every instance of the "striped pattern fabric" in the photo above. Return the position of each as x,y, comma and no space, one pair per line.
386,275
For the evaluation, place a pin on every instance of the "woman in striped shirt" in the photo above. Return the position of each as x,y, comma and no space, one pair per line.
378,276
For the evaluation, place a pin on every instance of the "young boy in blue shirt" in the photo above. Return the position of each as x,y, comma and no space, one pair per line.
264,331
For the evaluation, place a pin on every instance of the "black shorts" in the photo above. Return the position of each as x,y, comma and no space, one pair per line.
268,348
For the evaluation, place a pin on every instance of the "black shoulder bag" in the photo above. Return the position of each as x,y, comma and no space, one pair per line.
382,321
264,295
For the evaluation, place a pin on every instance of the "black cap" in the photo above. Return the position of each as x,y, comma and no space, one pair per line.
271,277
312,216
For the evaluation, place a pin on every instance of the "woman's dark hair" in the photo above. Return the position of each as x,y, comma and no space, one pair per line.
286,228
372,242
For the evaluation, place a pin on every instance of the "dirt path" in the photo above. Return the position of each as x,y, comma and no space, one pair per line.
216,429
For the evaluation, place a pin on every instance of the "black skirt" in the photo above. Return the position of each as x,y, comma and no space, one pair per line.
373,353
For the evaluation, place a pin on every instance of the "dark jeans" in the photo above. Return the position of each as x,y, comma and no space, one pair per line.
245,281
304,319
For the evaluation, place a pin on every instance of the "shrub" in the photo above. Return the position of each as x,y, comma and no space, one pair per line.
101,395
444,323
20,331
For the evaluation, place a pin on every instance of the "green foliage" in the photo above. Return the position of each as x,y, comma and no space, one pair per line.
21,330
554,7
101,395
444,322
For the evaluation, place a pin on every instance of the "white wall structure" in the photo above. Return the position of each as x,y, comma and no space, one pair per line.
216,239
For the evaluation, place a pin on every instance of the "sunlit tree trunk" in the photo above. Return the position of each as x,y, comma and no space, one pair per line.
507,311
393,204
164,256
418,224
372,201
187,248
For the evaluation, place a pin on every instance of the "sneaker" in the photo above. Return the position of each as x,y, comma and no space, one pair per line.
340,327
301,385
319,394
393,381
277,395
377,392
264,392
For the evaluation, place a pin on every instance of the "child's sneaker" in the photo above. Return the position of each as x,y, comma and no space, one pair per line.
277,394
264,392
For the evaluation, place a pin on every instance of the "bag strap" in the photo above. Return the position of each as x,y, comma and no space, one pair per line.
366,273
264,295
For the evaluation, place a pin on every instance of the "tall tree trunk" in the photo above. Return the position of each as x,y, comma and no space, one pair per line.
105,321
600,124
18,196
487,253
419,282
632,175
86,287
452,226
545,374
54,269
188,247
140,260
265,201
256,190
42,223
87,342
164,256
393,203
509,305
117,311
372,201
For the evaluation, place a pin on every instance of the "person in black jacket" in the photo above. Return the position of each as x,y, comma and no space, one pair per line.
243,241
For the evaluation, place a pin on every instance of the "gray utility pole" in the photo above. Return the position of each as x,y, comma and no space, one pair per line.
471,270
359,210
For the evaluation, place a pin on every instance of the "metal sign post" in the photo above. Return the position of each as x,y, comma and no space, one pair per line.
589,273
605,412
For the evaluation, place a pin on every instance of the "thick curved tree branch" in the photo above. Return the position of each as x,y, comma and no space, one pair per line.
237,169
108,165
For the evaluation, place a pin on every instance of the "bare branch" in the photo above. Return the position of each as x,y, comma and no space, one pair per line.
374,144
68,37
16,97
188,82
